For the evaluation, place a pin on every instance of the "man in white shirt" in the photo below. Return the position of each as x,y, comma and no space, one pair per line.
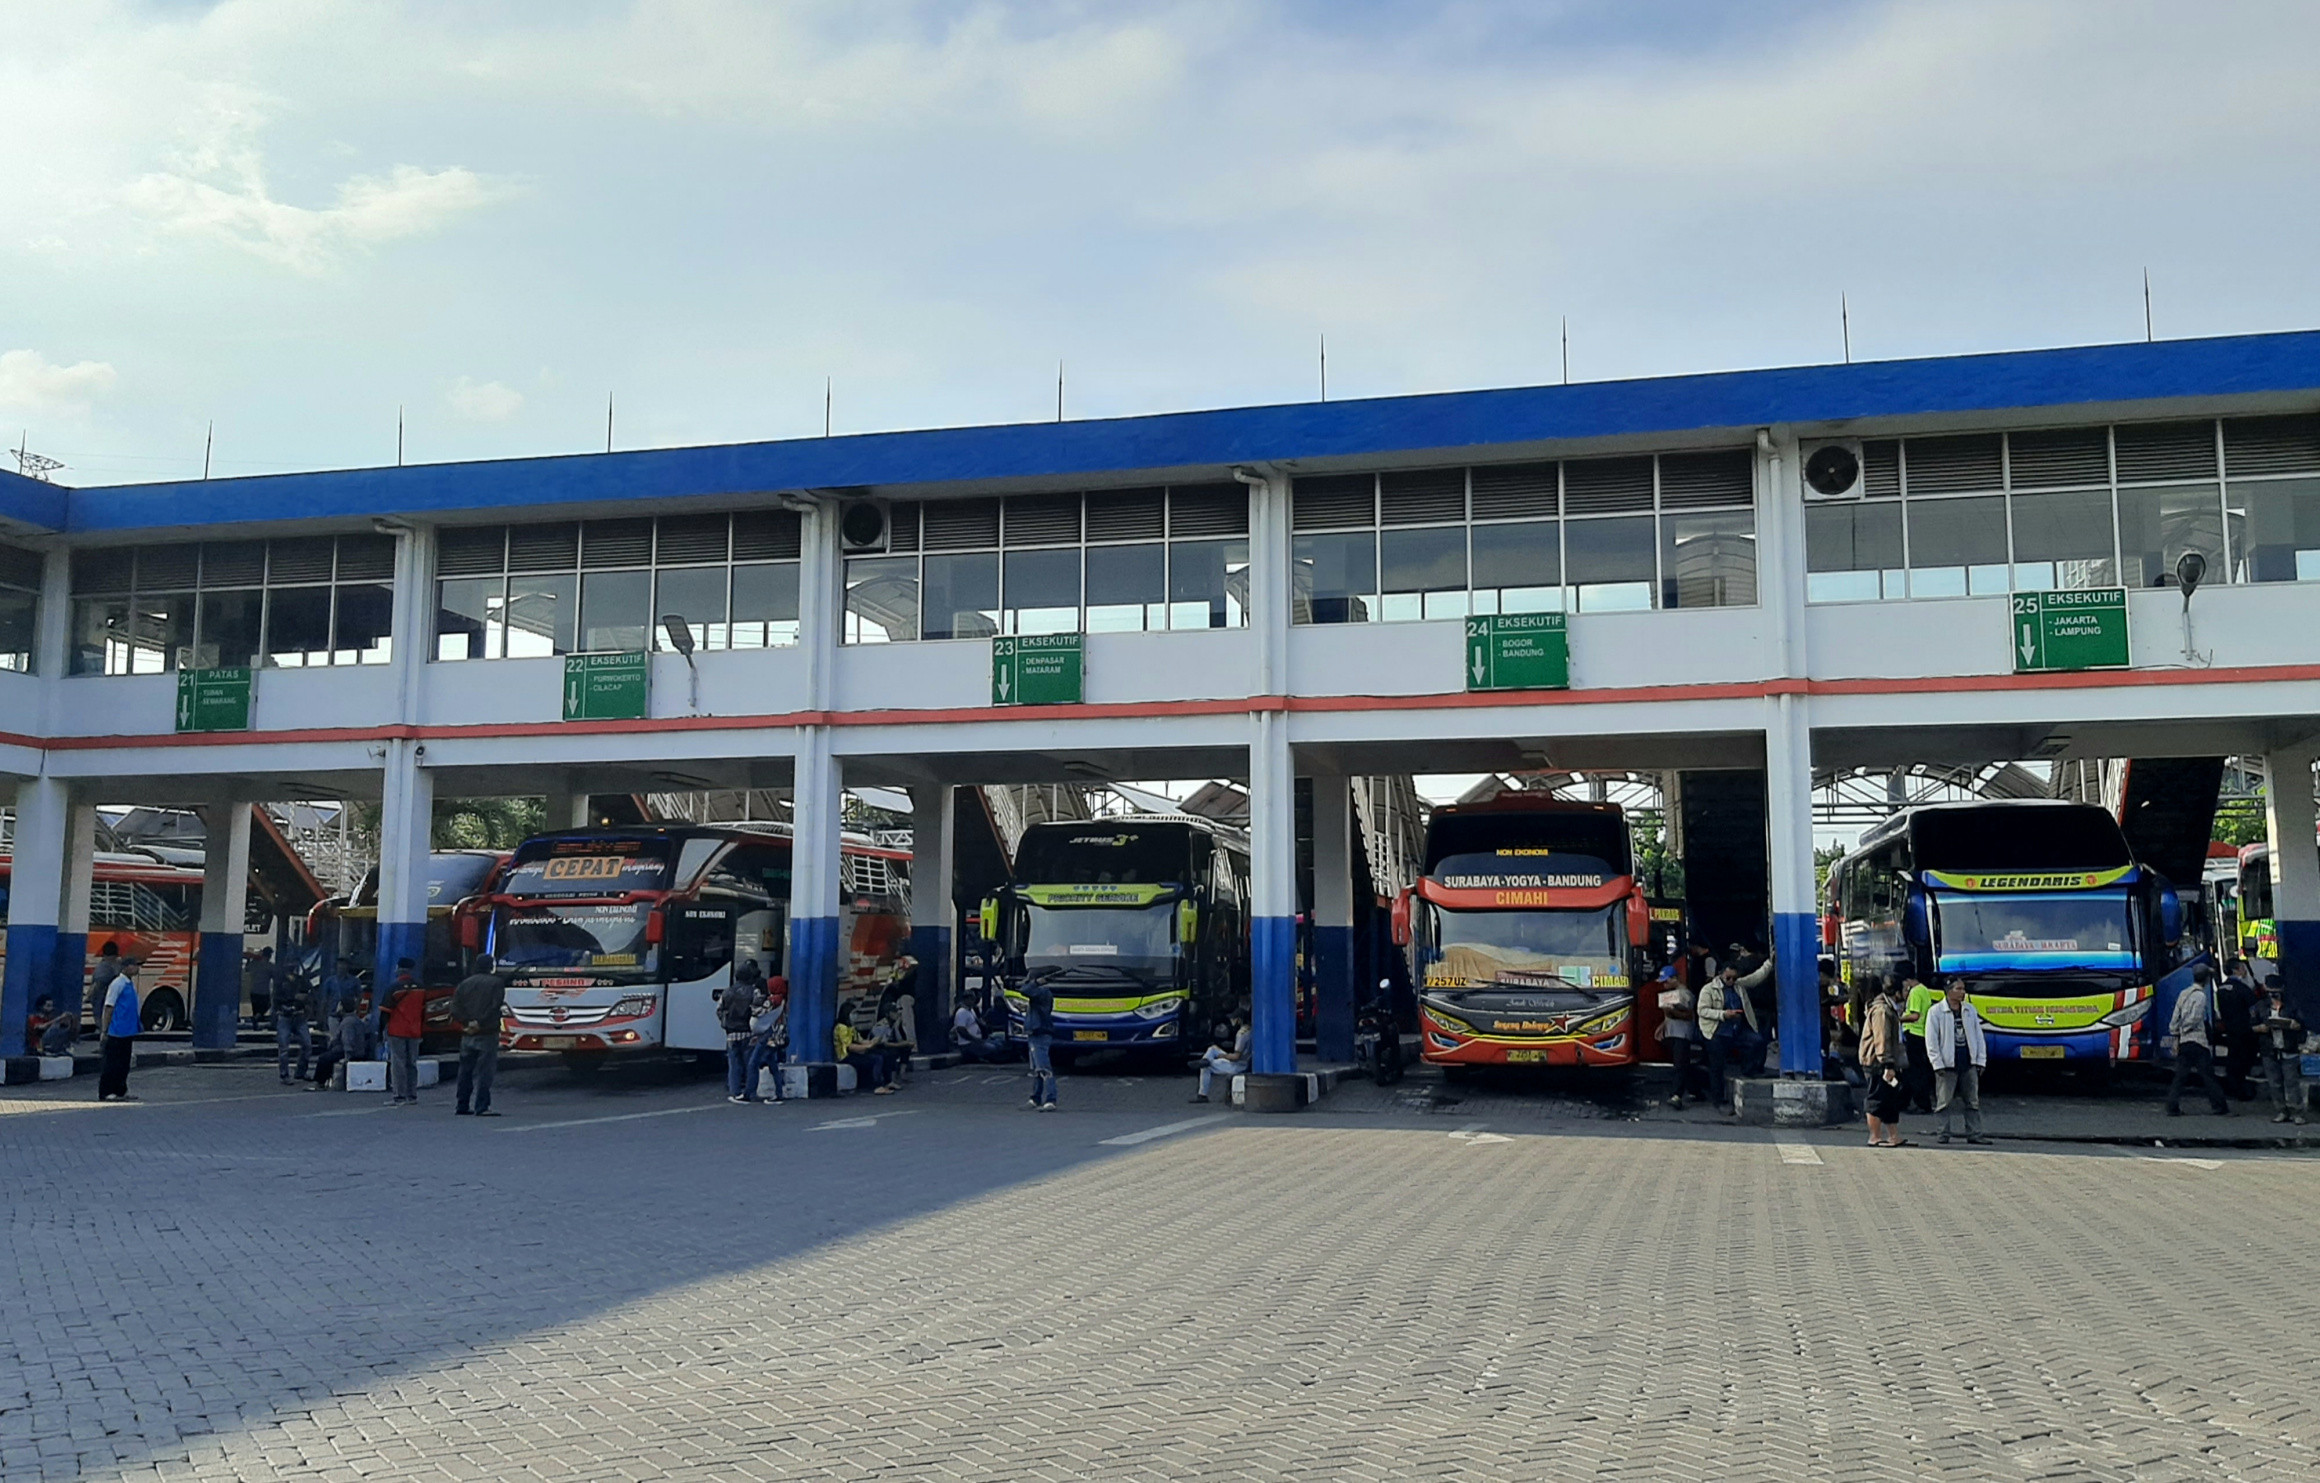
2194,1055
1955,1044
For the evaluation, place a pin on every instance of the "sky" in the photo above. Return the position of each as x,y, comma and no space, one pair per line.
295,220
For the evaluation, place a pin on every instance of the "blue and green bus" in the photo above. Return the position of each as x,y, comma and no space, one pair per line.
2039,907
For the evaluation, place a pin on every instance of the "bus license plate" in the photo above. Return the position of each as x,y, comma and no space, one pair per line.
2041,1052
1091,1034
558,1042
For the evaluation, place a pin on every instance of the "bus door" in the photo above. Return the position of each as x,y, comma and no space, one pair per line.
698,959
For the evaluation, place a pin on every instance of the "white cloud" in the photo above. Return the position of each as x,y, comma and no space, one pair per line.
31,382
483,401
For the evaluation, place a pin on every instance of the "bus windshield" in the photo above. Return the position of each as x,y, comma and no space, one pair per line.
2035,929
1135,941
547,935
1526,948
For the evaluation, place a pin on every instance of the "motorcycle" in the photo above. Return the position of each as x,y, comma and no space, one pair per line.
1377,1040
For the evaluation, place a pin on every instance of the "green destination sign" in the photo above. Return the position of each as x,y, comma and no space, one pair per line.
2070,630
1518,651
607,687
213,699
1037,669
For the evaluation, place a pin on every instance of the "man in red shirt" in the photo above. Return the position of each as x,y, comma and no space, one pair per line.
406,1012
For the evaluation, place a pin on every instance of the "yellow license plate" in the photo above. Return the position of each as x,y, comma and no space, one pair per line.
558,1042
1091,1034
2041,1052
1524,1057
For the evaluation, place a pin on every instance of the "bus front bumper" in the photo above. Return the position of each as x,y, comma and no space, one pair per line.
1443,1041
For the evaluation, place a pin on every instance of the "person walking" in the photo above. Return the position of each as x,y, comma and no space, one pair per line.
291,1004
119,1022
2190,1026
2235,1004
1954,1042
1039,1034
405,1012
1917,997
476,1006
1679,1028
258,984
737,1006
770,1035
2283,1046
1883,1061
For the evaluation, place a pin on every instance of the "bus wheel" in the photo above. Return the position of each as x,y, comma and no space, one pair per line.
164,1011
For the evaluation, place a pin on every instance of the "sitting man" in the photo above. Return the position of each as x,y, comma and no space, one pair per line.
62,1031
353,1040
967,1033
36,1024
1217,1061
892,1036
855,1050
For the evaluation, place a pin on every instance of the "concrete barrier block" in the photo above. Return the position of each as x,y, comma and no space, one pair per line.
1766,1102
55,1068
363,1076
814,1079
431,1072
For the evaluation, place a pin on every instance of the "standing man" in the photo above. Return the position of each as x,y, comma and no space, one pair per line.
1677,1030
406,1017
1917,1079
290,1027
1721,1005
2283,1041
101,977
737,1007
258,983
2235,1006
2190,1026
120,1025
476,1004
341,994
1958,1049
1039,1034
770,1035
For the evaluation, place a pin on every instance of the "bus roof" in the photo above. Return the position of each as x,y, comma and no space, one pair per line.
1909,821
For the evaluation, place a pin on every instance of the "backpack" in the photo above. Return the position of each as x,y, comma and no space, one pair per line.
733,1009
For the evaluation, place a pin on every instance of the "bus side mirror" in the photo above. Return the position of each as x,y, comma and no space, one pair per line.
1187,921
1402,918
989,919
2170,914
1917,917
1638,921
471,932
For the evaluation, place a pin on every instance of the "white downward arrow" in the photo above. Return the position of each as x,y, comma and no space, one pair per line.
1003,684
2029,645
1477,666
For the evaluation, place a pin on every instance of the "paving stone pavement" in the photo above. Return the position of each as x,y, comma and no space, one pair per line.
630,1279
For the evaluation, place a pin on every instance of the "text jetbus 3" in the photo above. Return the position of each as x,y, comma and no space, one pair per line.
1528,931
620,940
2036,905
1134,923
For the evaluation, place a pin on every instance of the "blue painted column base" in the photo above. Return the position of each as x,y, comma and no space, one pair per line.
932,947
1335,992
1273,994
71,971
1796,945
813,986
2299,968
217,991
30,972
397,941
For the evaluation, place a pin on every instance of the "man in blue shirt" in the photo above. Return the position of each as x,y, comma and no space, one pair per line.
120,1024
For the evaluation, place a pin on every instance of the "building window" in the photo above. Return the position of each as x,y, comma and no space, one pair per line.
314,600
1591,535
536,591
19,606
1122,560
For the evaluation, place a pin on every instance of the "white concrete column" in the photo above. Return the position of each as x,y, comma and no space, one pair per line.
932,931
225,885
817,879
406,839
2295,876
72,938
1795,913
1273,885
566,811
414,616
52,629
35,903
1334,843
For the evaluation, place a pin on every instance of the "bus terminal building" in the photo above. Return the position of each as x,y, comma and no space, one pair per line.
2100,552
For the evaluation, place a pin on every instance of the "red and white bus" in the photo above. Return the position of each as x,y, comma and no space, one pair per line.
339,928
150,909
619,940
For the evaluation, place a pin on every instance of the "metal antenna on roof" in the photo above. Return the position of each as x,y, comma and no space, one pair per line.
1566,350
1845,322
398,435
1325,365
208,441
2146,306
1059,391
608,422
828,385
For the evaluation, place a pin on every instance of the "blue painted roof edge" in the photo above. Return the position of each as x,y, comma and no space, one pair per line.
34,502
2123,373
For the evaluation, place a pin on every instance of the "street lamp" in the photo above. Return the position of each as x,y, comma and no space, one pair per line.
680,635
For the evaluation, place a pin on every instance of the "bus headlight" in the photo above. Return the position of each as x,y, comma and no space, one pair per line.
1601,1023
1158,1009
635,1007
2127,1015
